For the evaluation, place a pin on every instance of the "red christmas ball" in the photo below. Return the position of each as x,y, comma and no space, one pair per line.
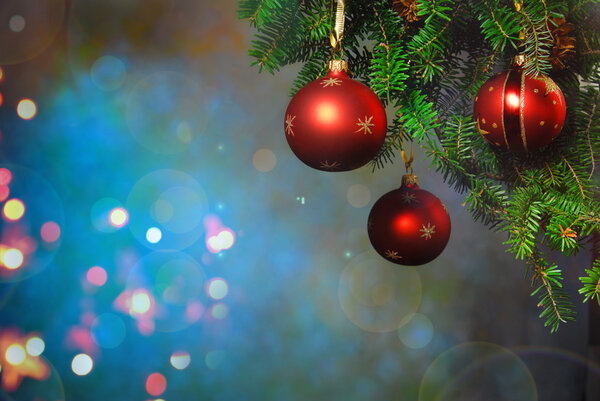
335,123
519,112
409,226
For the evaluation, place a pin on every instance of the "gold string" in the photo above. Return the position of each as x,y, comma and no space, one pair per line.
407,161
336,35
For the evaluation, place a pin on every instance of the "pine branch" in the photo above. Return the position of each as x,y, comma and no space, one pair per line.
430,70
498,23
277,38
538,39
554,301
388,66
391,144
257,11
418,116
591,283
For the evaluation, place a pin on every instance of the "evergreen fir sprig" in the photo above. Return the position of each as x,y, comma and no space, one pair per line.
317,22
315,67
418,116
429,72
258,12
388,64
498,23
552,299
591,283
278,38
435,8
537,45
428,46
524,216
391,144
586,125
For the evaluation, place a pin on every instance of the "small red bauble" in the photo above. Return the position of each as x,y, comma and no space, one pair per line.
335,123
518,112
409,226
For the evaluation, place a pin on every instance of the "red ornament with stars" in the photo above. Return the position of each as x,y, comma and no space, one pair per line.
409,226
518,112
335,123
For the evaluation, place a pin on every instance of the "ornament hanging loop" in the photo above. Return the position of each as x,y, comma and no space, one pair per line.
408,161
336,35
519,60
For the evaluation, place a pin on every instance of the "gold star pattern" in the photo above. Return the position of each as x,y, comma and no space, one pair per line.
481,130
427,231
365,126
392,255
331,82
289,124
19,363
409,198
330,166
550,85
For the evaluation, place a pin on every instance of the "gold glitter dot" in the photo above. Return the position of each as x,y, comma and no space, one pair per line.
542,123
494,125
555,126
483,120
497,143
554,102
476,98
491,88
536,90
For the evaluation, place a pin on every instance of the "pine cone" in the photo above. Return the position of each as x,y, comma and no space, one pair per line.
407,9
564,43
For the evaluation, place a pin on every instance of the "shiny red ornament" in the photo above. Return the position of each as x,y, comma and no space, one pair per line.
518,112
335,123
409,225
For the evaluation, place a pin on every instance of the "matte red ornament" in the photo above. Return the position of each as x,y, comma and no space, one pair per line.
409,225
335,123
518,112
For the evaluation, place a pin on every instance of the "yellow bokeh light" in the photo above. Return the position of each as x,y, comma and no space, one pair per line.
26,109
140,302
15,354
118,217
13,209
12,258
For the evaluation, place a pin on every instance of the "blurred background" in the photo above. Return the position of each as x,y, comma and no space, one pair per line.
159,240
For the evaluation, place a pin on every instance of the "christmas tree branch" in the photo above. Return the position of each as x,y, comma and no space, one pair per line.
429,68
555,303
591,283
500,27
575,176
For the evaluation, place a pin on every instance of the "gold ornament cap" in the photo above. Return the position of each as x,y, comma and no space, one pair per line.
338,66
519,60
410,179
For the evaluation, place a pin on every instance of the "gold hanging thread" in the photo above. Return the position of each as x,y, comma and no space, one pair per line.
407,161
409,178
336,35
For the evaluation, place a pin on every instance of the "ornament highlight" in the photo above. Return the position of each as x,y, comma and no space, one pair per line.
335,123
409,225
518,112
